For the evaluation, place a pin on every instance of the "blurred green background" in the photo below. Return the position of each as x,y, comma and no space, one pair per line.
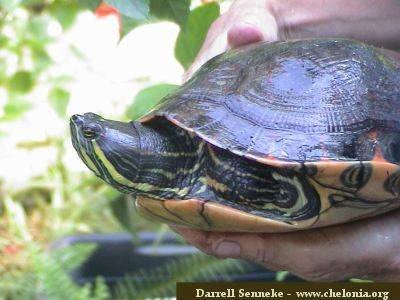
58,58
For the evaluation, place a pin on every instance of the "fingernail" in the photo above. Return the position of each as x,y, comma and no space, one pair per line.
227,249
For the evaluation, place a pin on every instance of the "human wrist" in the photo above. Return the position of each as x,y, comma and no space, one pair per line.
371,21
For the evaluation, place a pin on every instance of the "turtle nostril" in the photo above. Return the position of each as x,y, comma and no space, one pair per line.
77,119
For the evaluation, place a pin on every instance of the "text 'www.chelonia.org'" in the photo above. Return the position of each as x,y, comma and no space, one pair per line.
384,295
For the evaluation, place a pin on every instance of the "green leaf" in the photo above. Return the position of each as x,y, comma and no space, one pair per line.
281,275
41,58
173,10
15,108
89,4
3,67
21,82
36,32
124,211
17,216
4,41
191,38
136,9
59,99
147,98
128,24
64,12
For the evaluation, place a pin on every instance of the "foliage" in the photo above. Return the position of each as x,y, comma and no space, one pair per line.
147,284
191,38
137,10
59,99
24,45
49,277
27,271
28,38
147,99
144,10
21,82
174,10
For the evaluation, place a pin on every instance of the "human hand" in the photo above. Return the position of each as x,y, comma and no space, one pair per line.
368,249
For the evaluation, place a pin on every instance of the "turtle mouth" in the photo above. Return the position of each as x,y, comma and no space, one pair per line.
81,145
75,125
75,136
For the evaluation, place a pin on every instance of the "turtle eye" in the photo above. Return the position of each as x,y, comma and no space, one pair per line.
91,131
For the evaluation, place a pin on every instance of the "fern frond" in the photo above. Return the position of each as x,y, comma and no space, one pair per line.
54,281
101,291
161,281
48,277
18,286
73,256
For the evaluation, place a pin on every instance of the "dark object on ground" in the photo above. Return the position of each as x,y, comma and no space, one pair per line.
116,256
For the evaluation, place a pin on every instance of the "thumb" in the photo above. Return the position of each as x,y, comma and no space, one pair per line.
243,34
255,23
242,24
251,247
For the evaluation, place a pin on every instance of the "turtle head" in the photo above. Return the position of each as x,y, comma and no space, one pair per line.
111,149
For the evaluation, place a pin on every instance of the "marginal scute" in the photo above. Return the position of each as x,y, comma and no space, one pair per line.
392,183
356,175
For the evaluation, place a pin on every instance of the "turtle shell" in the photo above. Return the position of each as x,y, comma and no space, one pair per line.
326,109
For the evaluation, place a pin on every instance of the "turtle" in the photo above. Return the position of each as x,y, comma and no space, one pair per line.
270,137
